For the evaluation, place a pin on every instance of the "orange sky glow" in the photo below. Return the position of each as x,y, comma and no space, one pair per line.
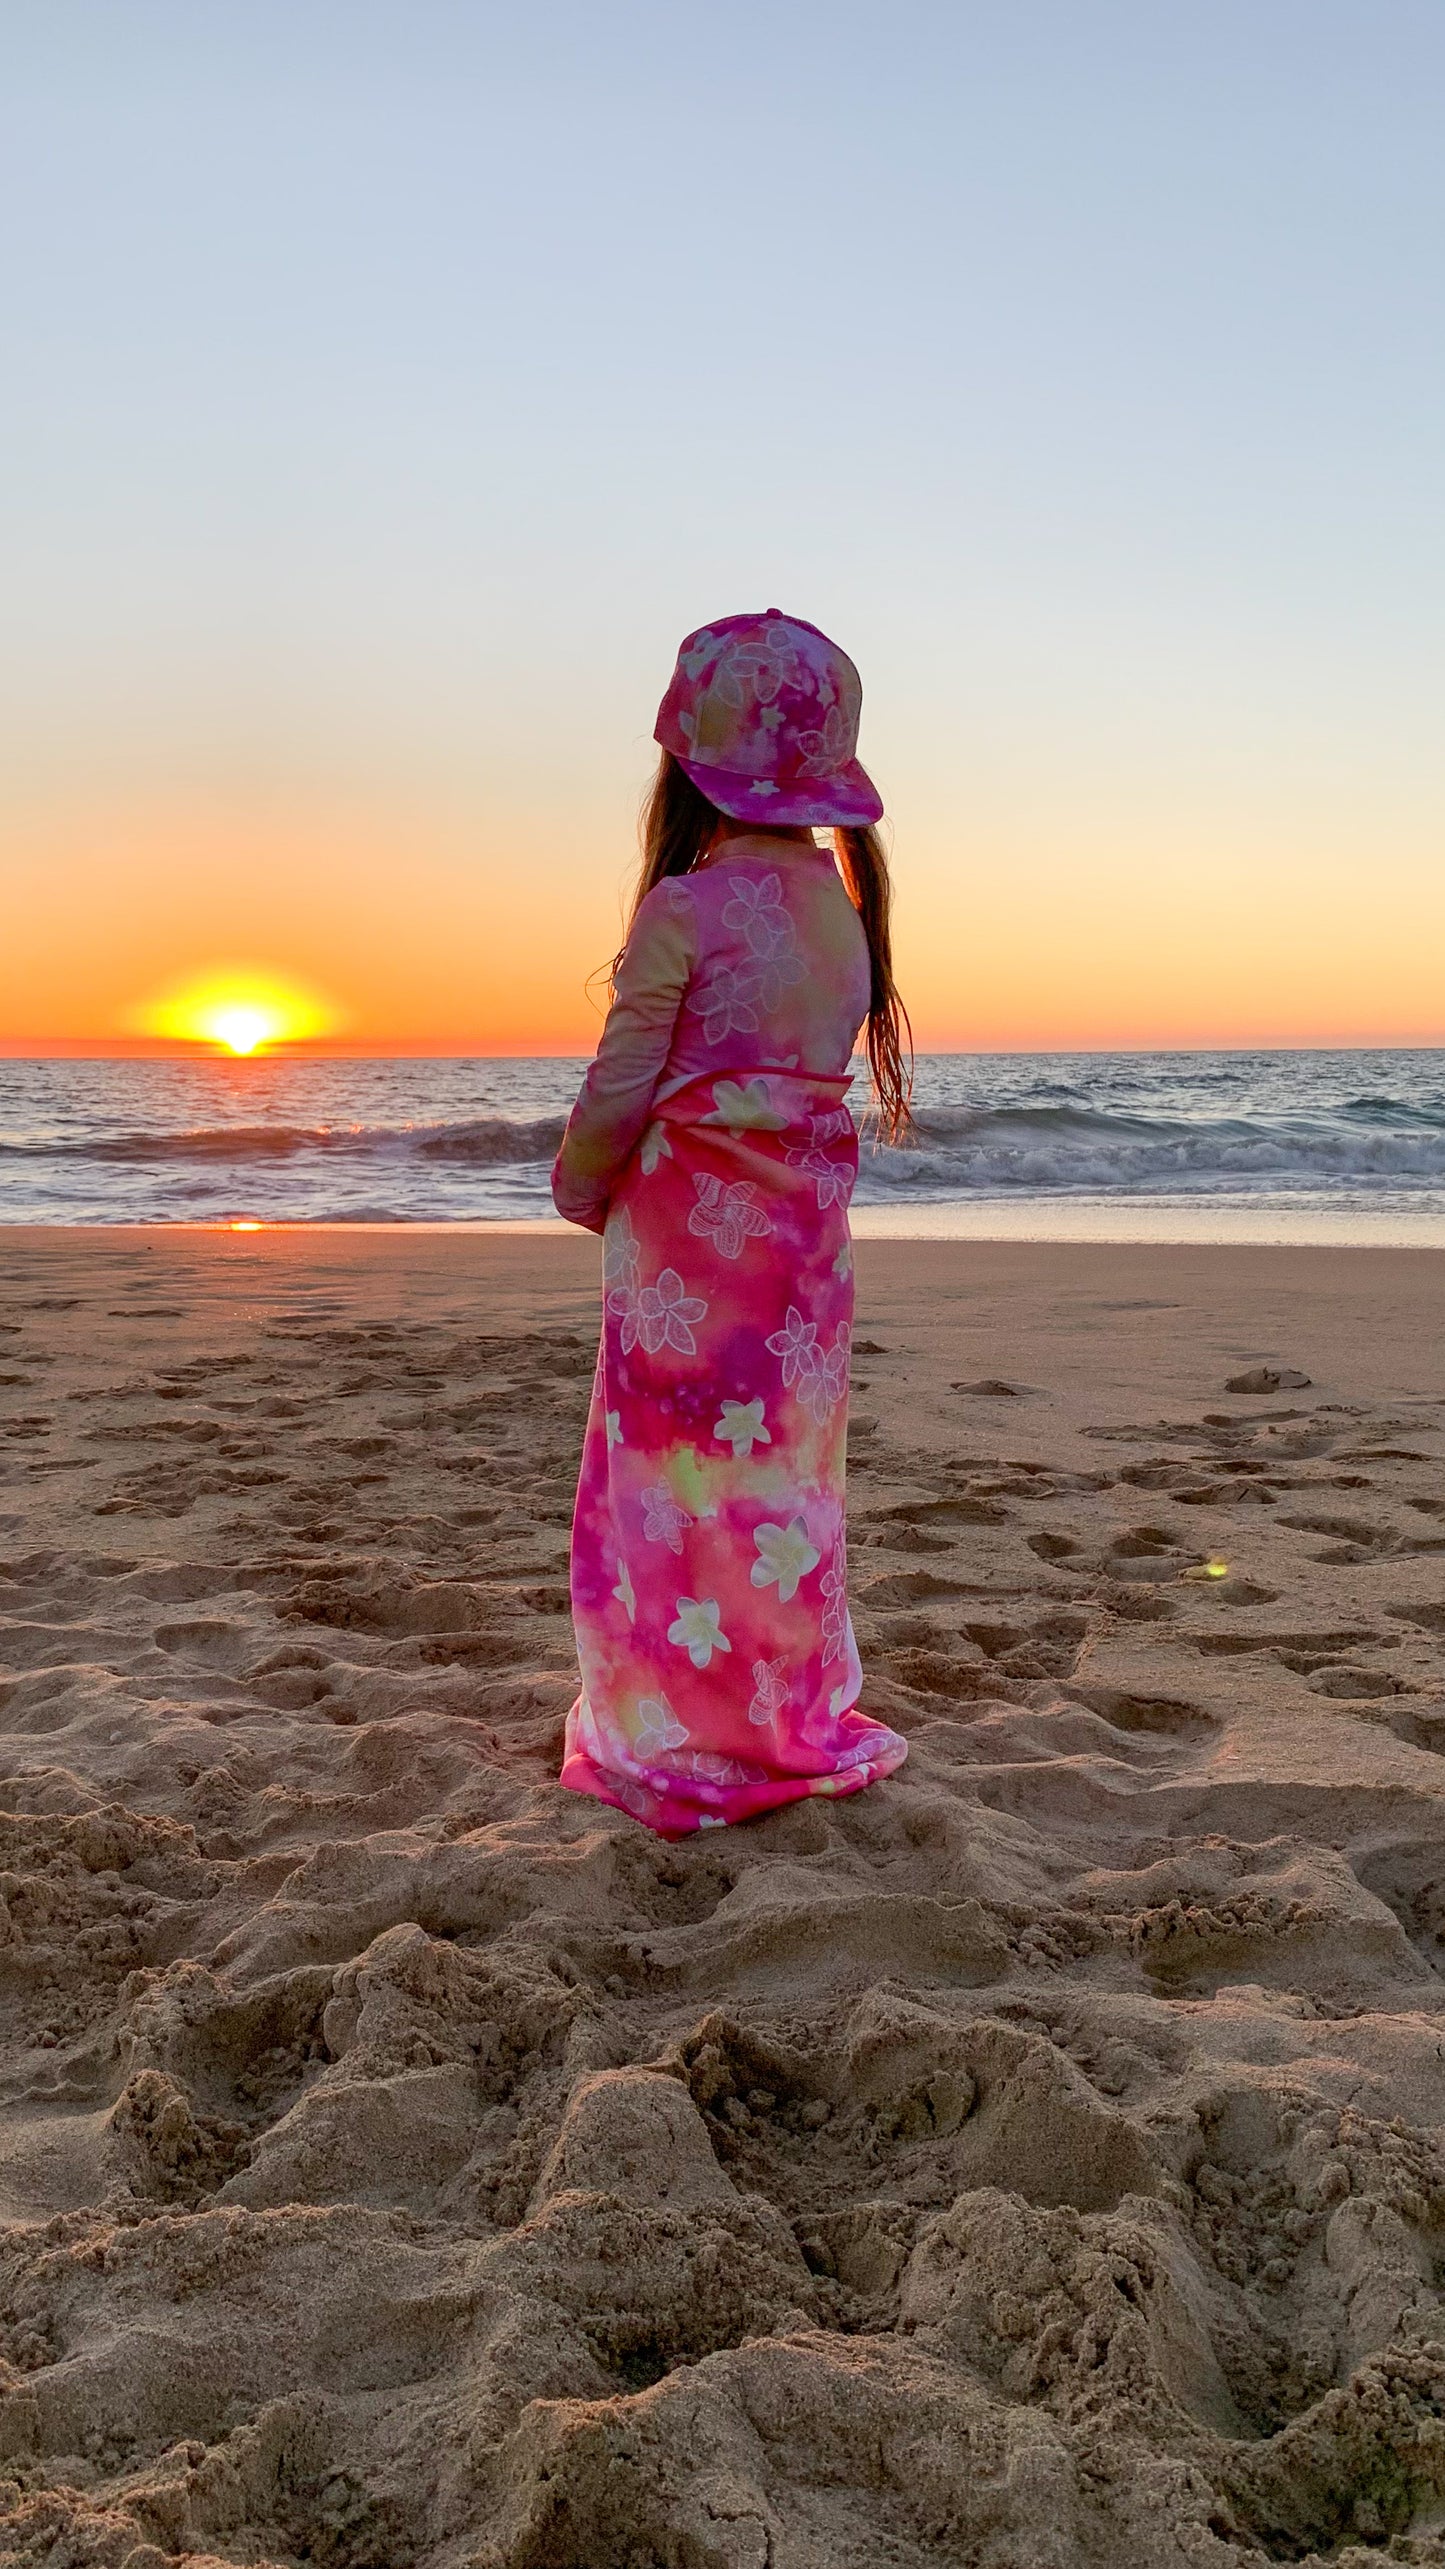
391,931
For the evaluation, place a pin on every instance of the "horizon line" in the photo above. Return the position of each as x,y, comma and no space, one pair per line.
81,1048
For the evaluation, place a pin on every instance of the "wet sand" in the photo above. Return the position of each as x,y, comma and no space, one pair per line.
1037,2162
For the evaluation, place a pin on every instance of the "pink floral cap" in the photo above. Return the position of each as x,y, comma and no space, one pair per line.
762,714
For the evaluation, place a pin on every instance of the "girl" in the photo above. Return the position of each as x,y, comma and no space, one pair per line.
713,1148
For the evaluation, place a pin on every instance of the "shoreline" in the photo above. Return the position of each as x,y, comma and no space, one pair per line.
1036,1222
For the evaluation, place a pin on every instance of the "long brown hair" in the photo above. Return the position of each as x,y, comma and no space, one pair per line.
679,823
864,867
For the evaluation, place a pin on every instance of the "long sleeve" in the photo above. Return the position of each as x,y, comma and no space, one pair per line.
615,1103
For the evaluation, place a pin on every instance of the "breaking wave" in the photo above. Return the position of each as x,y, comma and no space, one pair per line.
1045,1150
496,1141
1037,1149
445,1141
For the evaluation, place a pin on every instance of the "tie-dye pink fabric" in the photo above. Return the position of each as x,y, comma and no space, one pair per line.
720,1676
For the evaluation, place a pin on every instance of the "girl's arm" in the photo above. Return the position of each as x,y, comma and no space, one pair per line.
613,1109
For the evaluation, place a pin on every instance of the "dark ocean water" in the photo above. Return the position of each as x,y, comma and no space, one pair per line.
1295,1144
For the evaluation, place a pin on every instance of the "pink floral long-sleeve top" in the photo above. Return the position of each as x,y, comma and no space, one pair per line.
756,960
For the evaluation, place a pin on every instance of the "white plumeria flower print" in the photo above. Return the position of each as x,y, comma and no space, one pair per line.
843,1263
825,1382
768,664
660,1314
830,747
698,1629
745,1107
633,1797
770,1691
729,1216
820,1376
622,1303
833,1587
663,1521
784,1555
741,1427
707,1766
625,1593
614,1428
621,1255
621,1273
833,1179
711,1820
658,1728
665,1313
795,1343
778,975
756,910
727,1003
654,1146
871,1745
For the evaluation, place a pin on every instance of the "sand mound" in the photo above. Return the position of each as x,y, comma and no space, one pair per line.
1038,2163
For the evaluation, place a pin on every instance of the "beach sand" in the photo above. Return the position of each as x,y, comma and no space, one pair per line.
1033,2163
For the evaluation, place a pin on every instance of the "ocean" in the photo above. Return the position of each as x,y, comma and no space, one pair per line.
1346,1146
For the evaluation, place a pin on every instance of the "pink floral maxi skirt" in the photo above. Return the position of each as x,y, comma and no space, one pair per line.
720,1676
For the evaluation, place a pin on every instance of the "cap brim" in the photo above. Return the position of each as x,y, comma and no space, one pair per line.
848,801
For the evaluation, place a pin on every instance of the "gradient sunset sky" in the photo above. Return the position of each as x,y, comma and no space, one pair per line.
391,383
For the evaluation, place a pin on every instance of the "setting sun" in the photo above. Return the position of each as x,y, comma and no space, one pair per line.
242,1030
240,1013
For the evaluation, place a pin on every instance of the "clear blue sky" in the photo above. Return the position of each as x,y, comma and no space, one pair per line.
389,384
